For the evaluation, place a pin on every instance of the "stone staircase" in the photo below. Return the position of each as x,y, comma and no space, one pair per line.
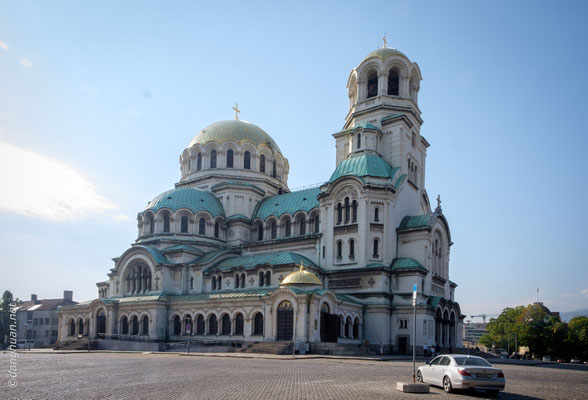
81,344
340,349
269,348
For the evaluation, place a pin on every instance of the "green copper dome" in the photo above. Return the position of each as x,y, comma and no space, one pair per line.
235,131
384,53
190,198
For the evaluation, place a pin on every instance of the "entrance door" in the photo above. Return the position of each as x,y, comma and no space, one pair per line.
329,325
285,321
402,344
100,324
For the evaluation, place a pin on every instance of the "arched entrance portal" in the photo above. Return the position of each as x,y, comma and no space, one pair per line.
285,321
329,325
100,324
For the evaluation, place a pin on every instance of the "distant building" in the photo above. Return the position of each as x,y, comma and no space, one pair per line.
38,320
472,333
547,310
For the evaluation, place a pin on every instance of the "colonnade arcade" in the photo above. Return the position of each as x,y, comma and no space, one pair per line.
445,327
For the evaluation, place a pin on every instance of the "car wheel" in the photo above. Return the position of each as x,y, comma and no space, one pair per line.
419,377
492,393
447,384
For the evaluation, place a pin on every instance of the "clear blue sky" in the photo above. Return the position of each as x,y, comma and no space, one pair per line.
98,100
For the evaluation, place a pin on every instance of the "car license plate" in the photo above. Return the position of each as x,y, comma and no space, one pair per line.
485,375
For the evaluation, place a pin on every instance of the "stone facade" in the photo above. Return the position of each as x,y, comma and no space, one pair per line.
211,253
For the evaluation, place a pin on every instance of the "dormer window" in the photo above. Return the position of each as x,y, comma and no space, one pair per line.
372,85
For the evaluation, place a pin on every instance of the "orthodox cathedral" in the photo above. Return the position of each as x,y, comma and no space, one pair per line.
231,256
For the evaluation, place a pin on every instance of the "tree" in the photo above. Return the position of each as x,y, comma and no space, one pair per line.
5,321
503,329
578,337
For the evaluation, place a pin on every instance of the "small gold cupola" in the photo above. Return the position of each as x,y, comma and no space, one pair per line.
301,278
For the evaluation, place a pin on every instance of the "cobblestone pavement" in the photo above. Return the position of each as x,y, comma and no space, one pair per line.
172,376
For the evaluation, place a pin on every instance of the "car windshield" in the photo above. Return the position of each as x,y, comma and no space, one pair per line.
472,361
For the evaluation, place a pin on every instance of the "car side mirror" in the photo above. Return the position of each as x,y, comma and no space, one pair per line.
428,362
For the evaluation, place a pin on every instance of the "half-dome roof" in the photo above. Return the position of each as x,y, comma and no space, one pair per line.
190,198
364,165
235,131
384,53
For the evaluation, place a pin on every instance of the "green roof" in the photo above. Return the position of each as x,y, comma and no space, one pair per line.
234,131
416,222
183,247
156,253
289,203
433,301
364,165
366,125
223,295
237,216
400,179
190,198
250,262
241,184
206,258
386,118
405,264
384,53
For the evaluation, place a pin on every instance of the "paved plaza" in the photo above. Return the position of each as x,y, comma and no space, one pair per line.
174,376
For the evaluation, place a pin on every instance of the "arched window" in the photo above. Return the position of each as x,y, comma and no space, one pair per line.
72,328
219,282
376,214
268,278
229,158
351,248
262,163
191,283
354,210
239,324
216,229
393,83
213,283
359,140
213,159
316,223
348,327
274,229
226,325
236,280
302,225
177,325
242,280
339,249
339,213
274,168
258,324
184,224
212,325
261,279
202,226
200,325
135,325
151,225
166,220
288,228
81,327
347,210
145,325
260,231
199,162
124,326
247,160
356,328
372,85
376,253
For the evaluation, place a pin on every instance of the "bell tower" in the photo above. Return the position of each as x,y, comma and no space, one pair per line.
384,117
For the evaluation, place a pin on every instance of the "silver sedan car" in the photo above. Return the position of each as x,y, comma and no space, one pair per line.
458,371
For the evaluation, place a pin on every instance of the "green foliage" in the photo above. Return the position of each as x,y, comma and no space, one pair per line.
543,333
7,299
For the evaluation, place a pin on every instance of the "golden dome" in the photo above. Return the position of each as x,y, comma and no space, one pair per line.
301,277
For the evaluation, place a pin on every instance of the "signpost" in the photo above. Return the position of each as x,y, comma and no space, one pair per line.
414,324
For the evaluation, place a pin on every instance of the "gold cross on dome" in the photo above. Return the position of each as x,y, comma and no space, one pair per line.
237,111
384,39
